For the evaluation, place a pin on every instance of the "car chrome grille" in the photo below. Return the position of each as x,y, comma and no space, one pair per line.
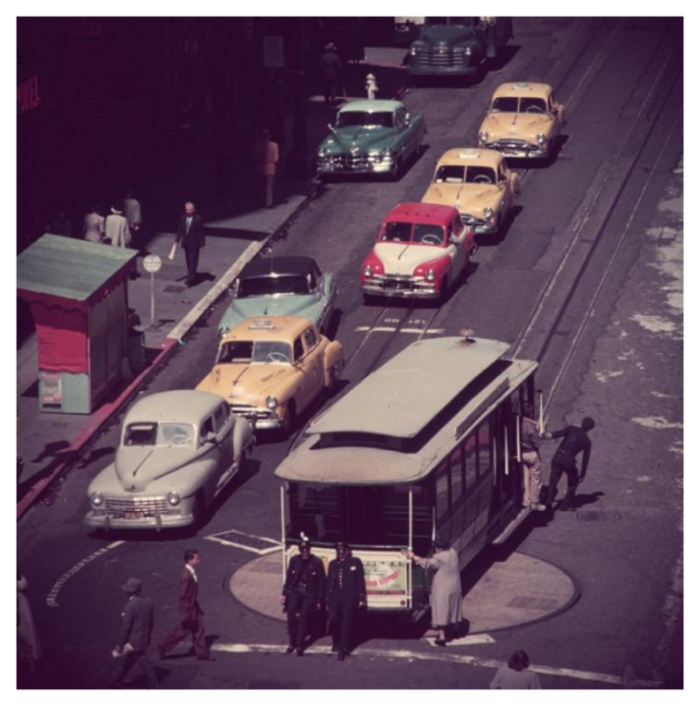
247,410
472,220
143,507
433,58
509,144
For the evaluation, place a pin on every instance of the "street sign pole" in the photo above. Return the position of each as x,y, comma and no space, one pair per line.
153,299
152,263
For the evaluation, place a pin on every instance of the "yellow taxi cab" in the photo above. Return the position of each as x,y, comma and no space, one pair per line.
271,369
524,121
478,184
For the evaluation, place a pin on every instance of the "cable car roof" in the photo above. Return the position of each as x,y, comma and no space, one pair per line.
406,393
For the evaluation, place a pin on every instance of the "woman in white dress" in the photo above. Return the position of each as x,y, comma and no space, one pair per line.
446,593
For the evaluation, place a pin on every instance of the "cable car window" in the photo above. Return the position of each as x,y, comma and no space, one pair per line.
470,471
456,476
442,489
484,448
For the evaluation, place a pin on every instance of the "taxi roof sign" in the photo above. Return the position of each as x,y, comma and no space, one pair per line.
469,154
521,86
261,324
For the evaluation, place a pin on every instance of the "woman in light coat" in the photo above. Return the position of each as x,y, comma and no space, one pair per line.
117,229
446,593
94,226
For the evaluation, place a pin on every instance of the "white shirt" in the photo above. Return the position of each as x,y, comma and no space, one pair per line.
189,223
191,570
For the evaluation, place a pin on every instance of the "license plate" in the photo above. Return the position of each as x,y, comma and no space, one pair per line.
134,515
510,153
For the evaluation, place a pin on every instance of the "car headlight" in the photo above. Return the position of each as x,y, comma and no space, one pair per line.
97,499
467,51
540,139
483,137
223,331
430,275
388,153
367,271
414,51
173,499
271,402
488,212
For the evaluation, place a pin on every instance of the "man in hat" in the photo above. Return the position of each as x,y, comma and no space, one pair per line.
117,229
135,636
132,213
345,595
564,461
303,592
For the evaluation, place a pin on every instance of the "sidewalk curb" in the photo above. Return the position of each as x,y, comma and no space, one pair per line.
168,345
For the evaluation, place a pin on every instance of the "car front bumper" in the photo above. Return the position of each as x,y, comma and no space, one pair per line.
480,226
354,165
518,151
101,519
419,70
401,289
258,417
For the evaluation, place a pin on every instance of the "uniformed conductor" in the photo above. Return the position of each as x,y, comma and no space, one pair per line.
345,594
303,592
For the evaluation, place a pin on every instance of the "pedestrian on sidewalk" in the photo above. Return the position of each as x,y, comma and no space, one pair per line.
191,621
564,461
530,440
135,635
117,229
94,225
303,592
516,675
446,591
132,213
190,236
28,647
267,155
346,593
61,225
330,68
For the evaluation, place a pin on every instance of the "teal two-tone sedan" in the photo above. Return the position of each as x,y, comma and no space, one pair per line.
282,286
371,137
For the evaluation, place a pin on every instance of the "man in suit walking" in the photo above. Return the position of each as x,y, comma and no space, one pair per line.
135,635
345,595
190,236
191,622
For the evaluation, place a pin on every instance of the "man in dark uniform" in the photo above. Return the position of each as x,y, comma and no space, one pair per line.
345,594
564,461
302,593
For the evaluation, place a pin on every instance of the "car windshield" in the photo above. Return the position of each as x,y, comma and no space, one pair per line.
513,104
163,434
362,515
455,174
355,118
268,285
462,21
255,352
418,233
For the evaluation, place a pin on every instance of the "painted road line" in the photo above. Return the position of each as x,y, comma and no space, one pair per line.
229,542
393,329
482,639
441,656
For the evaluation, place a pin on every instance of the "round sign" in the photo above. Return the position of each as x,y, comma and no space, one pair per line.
152,263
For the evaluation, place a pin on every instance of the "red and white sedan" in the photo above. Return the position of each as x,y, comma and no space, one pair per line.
422,249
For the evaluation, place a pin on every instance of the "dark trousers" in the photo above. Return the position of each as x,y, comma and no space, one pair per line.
185,628
562,463
192,257
139,657
299,610
330,90
341,615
